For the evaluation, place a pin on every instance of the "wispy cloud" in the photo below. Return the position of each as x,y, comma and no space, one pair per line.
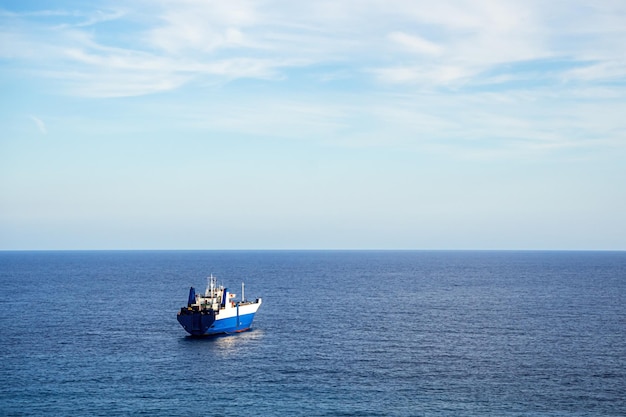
199,27
520,75
40,124
416,44
399,41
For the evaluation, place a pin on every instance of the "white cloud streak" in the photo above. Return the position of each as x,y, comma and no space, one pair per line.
415,44
40,124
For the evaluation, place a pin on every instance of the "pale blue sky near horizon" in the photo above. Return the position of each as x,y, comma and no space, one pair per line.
395,124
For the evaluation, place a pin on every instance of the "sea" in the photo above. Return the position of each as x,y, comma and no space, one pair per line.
340,333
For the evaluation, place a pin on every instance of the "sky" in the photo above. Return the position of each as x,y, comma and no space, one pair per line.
274,124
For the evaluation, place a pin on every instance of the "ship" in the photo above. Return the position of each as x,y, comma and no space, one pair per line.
217,311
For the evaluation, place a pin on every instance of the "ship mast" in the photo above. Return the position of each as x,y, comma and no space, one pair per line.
243,298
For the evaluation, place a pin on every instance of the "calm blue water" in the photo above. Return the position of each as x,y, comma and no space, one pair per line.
339,334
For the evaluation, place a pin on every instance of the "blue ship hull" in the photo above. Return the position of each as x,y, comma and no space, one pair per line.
216,311
198,324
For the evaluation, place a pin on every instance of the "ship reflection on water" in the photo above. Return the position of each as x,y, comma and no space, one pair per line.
225,345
